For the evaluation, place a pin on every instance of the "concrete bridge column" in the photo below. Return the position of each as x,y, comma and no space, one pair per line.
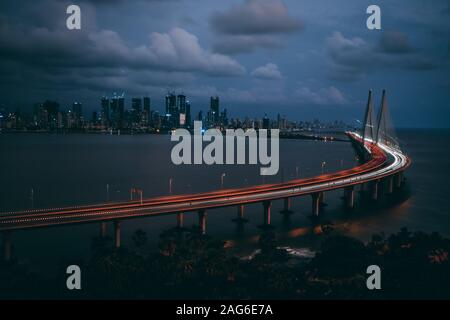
7,245
349,196
287,206
390,184
363,187
399,179
117,234
316,203
180,220
202,220
267,205
322,199
240,214
374,185
103,229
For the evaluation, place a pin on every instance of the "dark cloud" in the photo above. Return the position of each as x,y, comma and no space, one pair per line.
253,24
395,42
321,97
176,50
245,44
255,17
40,58
351,58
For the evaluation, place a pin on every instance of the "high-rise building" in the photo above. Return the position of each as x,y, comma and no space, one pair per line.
105,113
181,108
40,116
188,114
77,111
214,108
147,113
94,117
266,122
136,111
172,116
224,118
181,103
117,107
52,108
171,103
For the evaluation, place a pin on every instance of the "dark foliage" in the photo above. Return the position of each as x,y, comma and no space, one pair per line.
188,264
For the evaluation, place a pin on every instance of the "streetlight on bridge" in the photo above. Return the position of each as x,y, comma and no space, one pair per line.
221,180
32,198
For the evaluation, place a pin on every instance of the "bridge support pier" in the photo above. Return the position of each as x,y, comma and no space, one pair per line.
202,220
362,188
322,199
398,179
374,187
180,220
390,185
103,229
7,245
287,206
267,205
349,197
117,234
240,214
316,201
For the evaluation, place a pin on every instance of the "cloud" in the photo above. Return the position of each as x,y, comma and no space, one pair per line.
174,51
351,58
321,97
180,50
251,25
52,58
268,72
255,17
395,42
245,44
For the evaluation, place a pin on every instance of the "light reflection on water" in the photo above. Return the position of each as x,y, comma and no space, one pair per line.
73,169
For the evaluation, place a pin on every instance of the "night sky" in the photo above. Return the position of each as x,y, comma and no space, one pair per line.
302,58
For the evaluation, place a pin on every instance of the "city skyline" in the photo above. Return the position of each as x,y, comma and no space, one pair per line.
139,115
268,56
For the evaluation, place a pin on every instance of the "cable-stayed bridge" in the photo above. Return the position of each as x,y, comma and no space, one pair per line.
383,166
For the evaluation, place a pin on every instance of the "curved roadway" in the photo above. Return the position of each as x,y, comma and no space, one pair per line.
377,167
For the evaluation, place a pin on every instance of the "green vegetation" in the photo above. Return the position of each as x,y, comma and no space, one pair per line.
190,265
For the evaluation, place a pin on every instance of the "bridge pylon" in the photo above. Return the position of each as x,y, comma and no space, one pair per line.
368,125
385,130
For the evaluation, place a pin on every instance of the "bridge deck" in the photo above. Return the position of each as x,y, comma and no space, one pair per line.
376,167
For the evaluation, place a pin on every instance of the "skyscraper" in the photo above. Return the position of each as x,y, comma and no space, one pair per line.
171,103
117,106
214,108
77,110
181,107
266,122
188,114
172,116
136,111
146,113
105,115
52,108
182,103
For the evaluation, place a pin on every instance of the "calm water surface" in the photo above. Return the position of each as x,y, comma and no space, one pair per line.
75,169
